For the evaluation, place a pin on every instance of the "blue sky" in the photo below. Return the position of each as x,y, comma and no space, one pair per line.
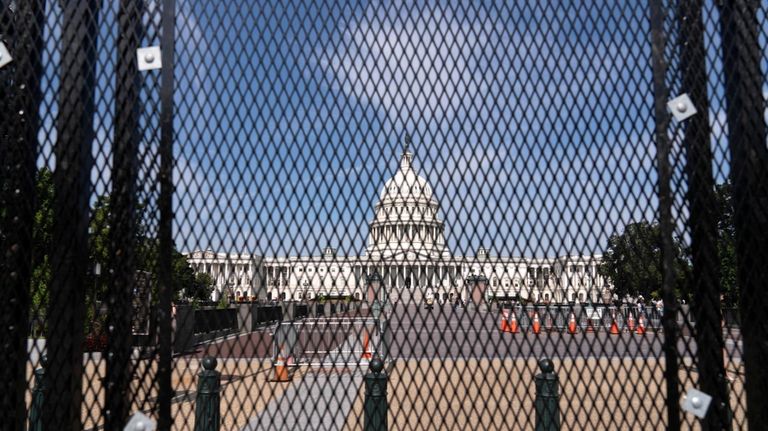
532,123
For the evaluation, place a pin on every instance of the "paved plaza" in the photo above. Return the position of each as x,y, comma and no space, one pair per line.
446,361
447,332
432,394
448,368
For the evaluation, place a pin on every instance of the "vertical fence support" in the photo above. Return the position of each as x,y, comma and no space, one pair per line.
71,181
749,164
123,216
669,319
375,406
703,219
21,30
207,402
547,398
38,398
166,214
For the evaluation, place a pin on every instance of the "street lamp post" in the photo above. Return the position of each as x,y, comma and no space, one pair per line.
373,287
377,297
478,285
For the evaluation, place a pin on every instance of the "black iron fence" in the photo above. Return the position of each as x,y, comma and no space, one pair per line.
495,215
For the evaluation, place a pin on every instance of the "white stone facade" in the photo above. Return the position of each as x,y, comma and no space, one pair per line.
406,246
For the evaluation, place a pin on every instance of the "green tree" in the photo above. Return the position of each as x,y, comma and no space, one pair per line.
633,262
184,278
147,249
41,243
200,289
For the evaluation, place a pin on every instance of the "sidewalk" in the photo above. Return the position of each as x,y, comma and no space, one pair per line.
320,399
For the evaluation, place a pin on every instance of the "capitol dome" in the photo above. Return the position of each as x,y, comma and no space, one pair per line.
406,186
406,215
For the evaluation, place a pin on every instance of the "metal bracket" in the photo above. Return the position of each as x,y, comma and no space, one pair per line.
696,402
682,107
149,58
5,55
140,422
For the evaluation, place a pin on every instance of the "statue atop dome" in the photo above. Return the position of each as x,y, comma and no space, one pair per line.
407,142
407,158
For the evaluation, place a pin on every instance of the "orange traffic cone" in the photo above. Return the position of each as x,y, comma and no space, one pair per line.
281,370
614,327
513,326
572,328
631,323
640,325
504,324
536,323
366,353
550,327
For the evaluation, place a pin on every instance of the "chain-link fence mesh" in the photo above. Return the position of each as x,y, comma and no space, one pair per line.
299,189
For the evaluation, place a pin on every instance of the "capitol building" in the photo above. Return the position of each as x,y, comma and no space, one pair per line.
406,247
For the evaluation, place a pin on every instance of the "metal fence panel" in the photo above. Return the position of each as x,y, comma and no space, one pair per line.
383,215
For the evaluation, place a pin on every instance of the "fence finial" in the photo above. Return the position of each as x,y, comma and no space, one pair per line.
547,398
38,397
207,408
375,397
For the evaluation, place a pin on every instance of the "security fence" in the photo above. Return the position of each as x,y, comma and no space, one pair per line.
383,215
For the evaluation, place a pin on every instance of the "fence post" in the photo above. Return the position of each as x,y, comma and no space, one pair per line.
165,225
21,25
664,170
547,398
69,253
38,397
376,397
207,409
122,218
741,54
703,218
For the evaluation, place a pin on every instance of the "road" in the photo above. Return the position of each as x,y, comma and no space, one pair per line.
445,332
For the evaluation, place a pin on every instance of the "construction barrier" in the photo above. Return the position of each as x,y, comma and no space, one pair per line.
578,318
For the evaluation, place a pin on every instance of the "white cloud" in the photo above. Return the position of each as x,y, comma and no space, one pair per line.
439,70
